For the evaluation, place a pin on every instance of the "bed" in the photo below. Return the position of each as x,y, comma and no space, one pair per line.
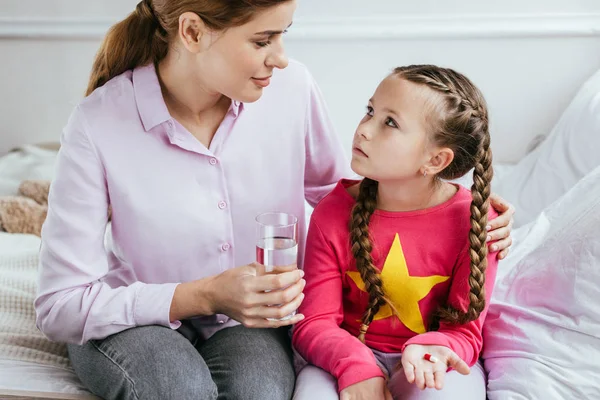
541,335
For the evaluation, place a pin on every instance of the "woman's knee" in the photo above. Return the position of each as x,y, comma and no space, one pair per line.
145,362
261,384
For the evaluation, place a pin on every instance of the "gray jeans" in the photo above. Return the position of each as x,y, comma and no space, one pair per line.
154,362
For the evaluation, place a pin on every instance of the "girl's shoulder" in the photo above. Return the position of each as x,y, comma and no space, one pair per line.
337,205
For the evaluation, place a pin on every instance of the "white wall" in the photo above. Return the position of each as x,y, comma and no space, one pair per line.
528,57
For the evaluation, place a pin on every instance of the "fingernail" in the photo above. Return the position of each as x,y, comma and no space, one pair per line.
494,248
489,237
488,228
301,274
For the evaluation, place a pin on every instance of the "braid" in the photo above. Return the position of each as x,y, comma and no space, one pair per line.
361,248
482,176
463,127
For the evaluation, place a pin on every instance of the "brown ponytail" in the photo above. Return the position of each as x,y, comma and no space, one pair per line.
144,36
135,41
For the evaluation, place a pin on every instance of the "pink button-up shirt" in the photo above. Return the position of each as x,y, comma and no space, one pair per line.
180,211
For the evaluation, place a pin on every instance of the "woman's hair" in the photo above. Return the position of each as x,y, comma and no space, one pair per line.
144,36
457,120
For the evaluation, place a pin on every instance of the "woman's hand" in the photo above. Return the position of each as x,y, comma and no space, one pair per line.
429,374
247,295
499,228
370,389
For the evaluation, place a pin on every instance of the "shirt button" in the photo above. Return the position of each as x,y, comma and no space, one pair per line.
213,161
225,246
170,124
222,205
221,321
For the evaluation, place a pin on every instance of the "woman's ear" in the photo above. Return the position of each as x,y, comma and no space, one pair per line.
194,35
439,160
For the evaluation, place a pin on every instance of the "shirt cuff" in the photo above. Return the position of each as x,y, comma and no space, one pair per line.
153,305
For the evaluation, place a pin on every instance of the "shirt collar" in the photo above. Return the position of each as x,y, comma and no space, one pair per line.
236,107
148,96
150,103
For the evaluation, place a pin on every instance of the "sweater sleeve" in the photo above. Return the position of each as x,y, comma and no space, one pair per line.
319,338
465,340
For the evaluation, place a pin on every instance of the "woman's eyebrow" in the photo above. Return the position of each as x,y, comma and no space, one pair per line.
271,33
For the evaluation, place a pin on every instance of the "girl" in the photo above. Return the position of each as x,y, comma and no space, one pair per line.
397,268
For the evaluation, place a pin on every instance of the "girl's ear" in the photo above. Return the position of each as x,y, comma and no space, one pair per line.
440,159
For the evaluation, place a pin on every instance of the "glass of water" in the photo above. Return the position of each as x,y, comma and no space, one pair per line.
276,241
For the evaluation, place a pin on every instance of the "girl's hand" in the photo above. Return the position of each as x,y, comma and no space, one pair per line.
429,374
499,229
370,389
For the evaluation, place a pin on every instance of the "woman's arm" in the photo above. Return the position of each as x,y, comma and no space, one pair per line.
243,294
326,161
73,304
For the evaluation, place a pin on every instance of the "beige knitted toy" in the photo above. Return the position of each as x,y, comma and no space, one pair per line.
26,212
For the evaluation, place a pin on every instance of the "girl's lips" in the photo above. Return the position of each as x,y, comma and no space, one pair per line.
357,150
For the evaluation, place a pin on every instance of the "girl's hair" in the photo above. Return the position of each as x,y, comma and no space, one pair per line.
144,36
459,121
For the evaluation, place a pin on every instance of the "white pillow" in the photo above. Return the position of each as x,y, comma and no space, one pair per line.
28,162
568,154
542,332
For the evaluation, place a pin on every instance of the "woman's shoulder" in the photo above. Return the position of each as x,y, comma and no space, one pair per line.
295,79
119,88
110,106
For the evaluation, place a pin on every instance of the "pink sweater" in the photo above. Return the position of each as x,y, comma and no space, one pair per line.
424,259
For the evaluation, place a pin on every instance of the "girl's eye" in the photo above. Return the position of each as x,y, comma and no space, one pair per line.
370,111
391,123
263,44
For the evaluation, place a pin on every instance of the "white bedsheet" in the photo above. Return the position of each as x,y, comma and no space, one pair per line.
28,379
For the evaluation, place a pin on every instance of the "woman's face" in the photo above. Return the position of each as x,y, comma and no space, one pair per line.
238,62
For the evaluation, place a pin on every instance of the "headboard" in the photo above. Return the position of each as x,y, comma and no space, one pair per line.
528,64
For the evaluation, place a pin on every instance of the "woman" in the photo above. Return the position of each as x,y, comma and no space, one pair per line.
171,137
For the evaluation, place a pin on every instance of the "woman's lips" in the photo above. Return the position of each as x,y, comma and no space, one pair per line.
262,82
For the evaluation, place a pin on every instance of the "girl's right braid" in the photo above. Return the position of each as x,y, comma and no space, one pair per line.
366,203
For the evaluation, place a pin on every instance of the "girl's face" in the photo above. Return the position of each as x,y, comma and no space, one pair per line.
238,62
391,141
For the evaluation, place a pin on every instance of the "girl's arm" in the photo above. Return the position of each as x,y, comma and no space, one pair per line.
319,337
465,340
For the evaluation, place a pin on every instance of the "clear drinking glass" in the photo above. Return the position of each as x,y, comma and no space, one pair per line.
276,241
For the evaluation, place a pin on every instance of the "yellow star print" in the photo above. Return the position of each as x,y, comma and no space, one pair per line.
404,291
